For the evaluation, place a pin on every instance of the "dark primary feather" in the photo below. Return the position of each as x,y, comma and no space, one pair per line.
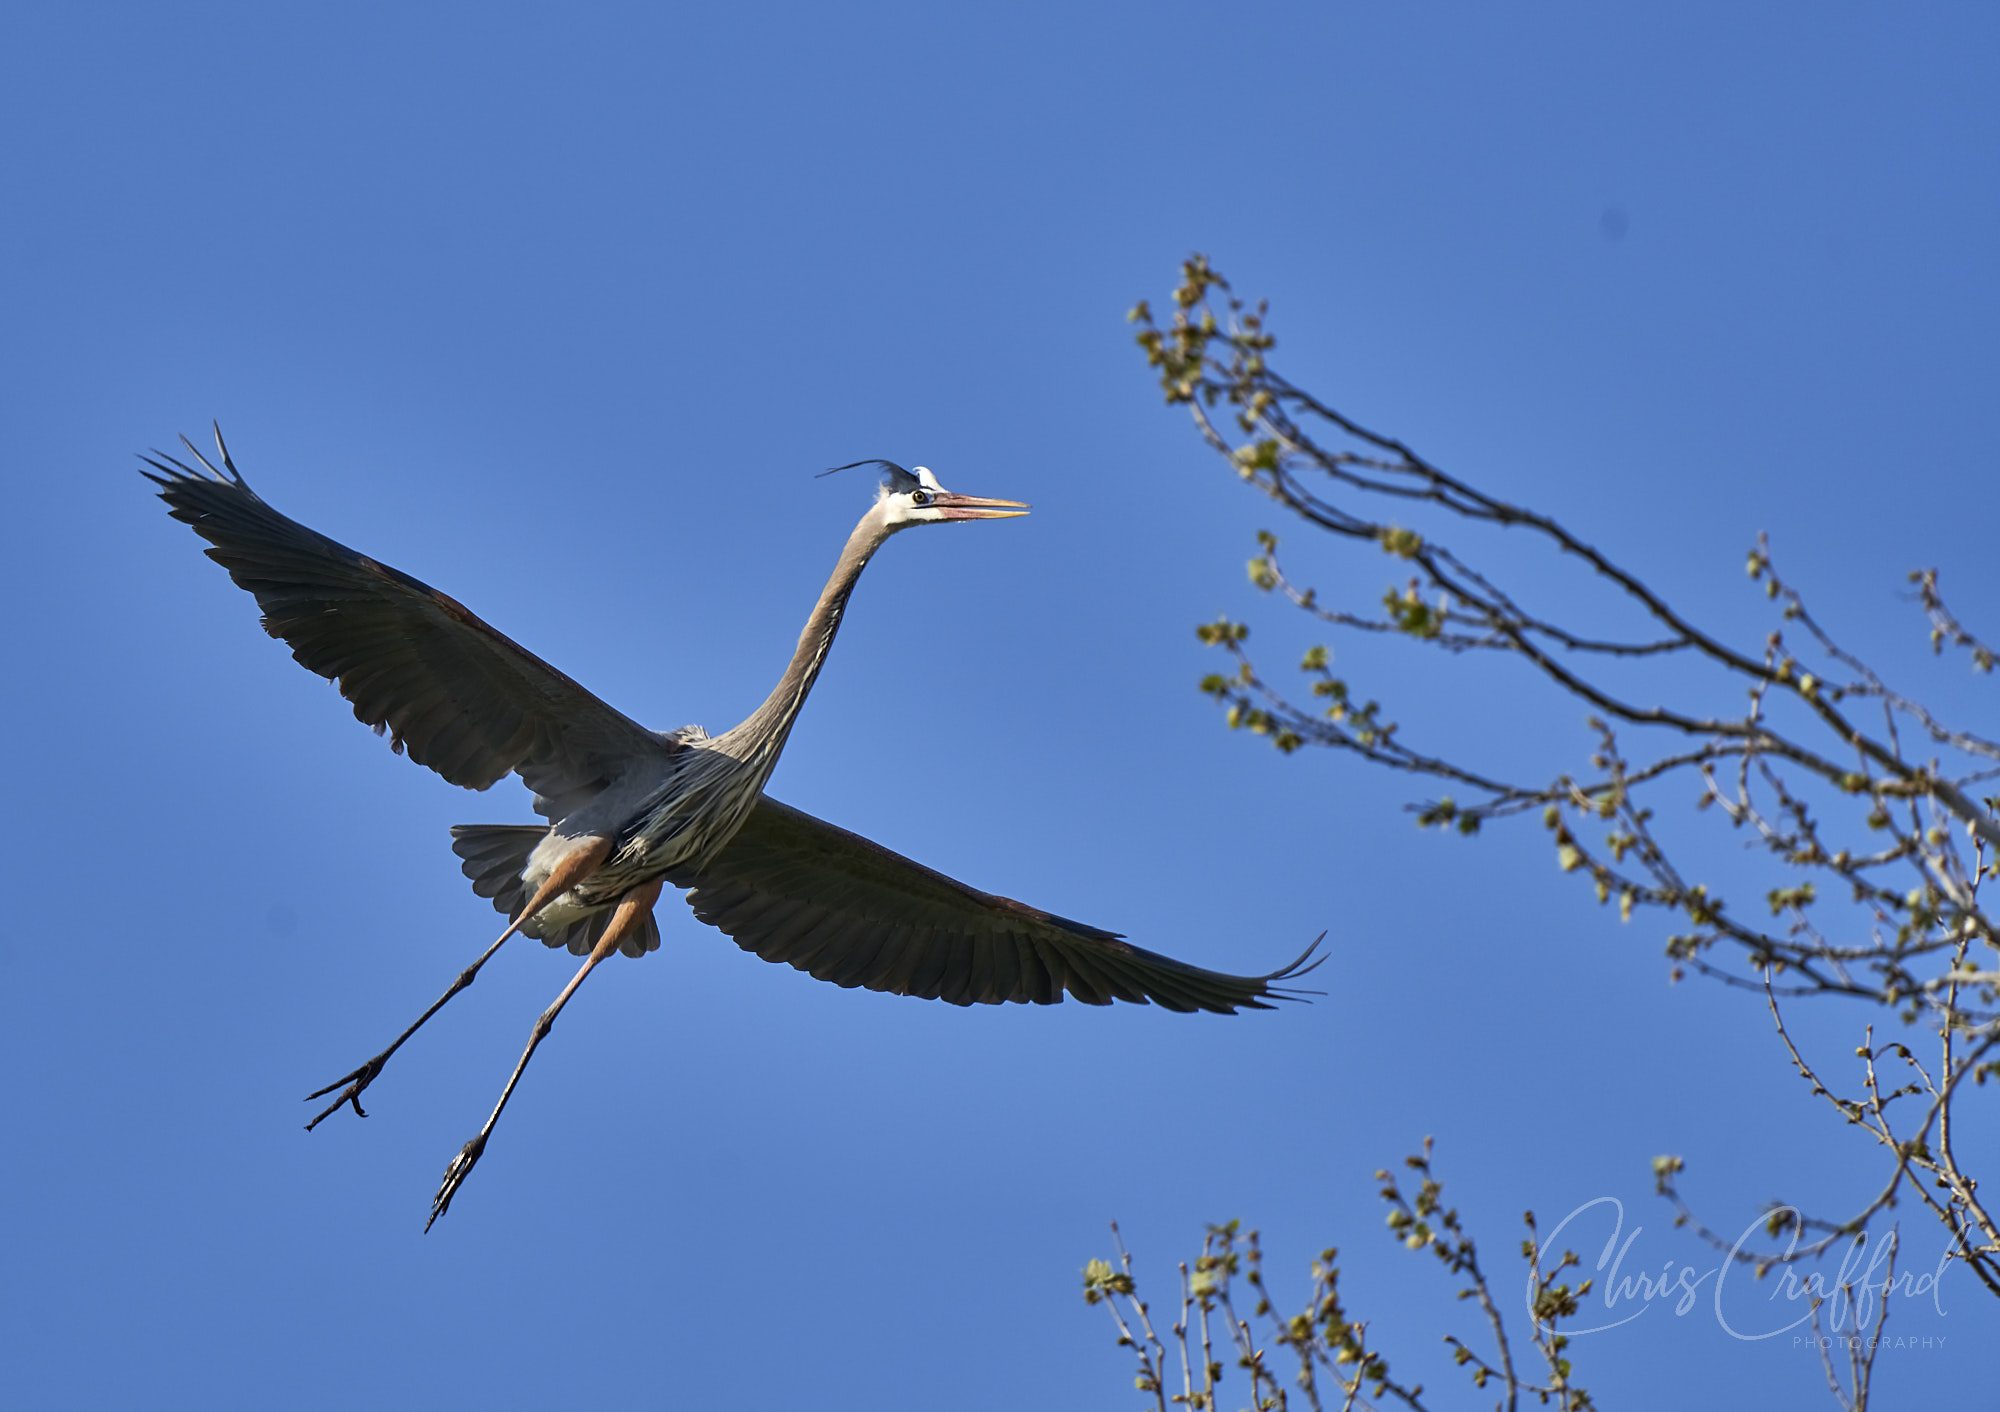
796,889
451,691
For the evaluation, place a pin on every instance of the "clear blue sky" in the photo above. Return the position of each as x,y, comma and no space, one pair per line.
561,313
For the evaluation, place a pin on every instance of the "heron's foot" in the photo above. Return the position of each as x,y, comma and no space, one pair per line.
351,1094
454,1176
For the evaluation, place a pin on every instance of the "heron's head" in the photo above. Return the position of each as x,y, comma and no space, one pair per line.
914,497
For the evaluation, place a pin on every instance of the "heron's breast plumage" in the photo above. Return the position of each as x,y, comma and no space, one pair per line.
680,823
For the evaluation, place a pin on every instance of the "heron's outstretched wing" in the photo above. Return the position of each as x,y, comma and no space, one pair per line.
453,693
796,889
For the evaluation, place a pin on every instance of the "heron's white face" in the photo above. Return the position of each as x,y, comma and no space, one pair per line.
916,498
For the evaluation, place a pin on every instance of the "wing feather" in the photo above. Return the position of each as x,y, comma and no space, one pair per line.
896,966
447,689
793,888
861,946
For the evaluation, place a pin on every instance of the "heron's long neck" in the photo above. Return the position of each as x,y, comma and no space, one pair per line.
762,734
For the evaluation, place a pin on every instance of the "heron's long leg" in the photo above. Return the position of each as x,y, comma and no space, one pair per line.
634,905
567,874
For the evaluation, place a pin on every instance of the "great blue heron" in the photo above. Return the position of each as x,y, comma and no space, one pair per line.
628,809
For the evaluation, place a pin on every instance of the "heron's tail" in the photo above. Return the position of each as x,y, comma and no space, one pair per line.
493,856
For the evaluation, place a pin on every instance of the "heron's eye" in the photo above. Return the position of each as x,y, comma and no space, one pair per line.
920,497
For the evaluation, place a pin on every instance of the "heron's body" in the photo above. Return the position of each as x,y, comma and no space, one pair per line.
664,819
627,810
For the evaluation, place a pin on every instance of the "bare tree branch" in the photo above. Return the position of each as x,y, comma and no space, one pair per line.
1873,815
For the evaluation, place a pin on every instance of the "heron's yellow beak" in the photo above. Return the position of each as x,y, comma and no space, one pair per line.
974,507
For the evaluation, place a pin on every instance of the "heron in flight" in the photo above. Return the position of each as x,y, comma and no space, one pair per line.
627,809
